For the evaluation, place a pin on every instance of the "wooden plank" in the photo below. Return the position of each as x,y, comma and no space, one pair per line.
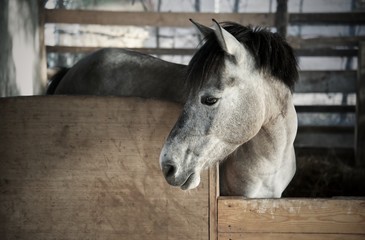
325,108
325,42
87,168
360,108
152,51
344,18
213,201
325,52
288,236
180,19
326,216
324,140
157,19
347,154
326,82
327,129
191,51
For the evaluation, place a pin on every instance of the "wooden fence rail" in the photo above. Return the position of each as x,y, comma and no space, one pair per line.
180,19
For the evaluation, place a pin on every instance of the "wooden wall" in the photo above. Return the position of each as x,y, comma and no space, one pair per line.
87,168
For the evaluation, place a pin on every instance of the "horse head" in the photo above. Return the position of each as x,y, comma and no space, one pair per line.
226,107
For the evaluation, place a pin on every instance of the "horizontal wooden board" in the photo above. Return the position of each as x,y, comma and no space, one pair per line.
88,168
180,19
346,154
325,108
327,129
341,18
190,51
157,19
325,52
288,236
326,216
320,42
152,51
325,139
326,82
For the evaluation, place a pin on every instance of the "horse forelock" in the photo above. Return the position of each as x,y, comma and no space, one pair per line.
271,53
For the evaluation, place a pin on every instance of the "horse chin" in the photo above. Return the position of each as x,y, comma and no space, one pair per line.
191,182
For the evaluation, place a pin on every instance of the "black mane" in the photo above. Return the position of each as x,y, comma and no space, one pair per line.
272,55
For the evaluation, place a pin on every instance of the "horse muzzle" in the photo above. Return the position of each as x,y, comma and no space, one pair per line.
175,177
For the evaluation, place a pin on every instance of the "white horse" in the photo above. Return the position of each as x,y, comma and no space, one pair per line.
239,111
239,107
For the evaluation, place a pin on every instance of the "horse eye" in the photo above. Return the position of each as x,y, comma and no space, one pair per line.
209,101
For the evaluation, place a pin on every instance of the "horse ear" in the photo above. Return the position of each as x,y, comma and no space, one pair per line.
226,40
202,29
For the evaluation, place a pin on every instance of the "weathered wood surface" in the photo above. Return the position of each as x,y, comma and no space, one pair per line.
153,51
213,201
157,19
287,236
326,82
325,108
340,18
299,216
87,168
360,108
317,139
180,19
320,42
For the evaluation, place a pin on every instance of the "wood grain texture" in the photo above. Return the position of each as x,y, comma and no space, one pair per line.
289,236
87,168
313,216
340,18
213,201
156,19
326,82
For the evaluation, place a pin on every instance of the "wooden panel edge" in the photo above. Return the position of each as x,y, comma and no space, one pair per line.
213,201
292,215
287,236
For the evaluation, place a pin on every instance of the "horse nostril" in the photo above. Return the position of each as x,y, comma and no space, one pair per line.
168,170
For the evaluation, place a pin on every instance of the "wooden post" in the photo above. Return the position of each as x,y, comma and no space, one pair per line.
360,108
213,201
42,47
281,17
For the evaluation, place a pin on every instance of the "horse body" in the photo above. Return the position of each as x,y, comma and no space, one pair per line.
122,72
238,110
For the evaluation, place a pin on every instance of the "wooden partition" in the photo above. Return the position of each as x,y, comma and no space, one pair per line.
87,168
239,218
282,219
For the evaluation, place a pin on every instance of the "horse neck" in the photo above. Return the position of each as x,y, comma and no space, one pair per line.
263,166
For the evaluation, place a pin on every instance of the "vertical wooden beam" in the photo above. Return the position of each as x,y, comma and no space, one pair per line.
360,108
42,46
282,17
213,201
